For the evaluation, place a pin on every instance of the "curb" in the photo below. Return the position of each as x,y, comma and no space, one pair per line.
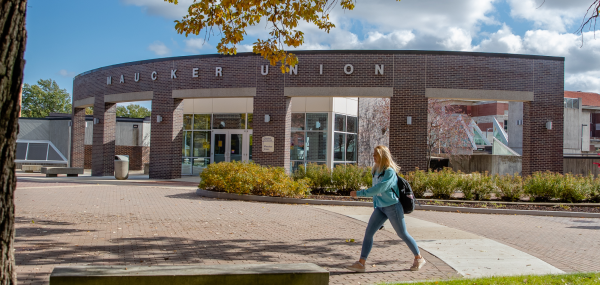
231,196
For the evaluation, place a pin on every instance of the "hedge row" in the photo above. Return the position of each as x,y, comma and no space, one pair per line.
251,178
541,186
342,179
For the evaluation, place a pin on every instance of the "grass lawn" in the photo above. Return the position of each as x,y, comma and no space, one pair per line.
577,278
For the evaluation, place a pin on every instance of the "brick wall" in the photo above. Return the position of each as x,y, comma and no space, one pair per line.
78,138
409,73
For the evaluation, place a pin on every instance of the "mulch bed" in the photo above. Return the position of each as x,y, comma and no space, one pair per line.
488,205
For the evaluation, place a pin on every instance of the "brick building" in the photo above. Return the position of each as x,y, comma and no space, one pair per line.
211,108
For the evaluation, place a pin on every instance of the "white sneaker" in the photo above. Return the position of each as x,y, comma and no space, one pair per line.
357,267
418,264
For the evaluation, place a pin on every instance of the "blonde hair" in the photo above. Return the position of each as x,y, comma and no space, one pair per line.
385,159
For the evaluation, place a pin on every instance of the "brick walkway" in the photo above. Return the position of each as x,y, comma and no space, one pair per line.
569,244
70,224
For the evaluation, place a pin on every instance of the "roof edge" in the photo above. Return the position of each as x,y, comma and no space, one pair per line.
242,54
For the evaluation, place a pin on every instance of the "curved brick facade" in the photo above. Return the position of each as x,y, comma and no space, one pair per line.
406,74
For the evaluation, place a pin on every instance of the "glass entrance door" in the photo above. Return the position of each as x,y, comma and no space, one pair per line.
231,145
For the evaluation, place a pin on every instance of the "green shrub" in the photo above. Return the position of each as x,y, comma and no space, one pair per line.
348,177
475,186
467,184
509,187
442,183
418,181
594,194
542,186
319,176
573,188
251,178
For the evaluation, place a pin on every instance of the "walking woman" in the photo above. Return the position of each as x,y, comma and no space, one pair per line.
387,206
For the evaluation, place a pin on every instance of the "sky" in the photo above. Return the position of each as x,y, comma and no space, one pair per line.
66,37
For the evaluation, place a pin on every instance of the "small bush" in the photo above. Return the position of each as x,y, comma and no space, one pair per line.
418,181
542,186
251,178
349,177
442,183
509,187
475,186
319,176
573,188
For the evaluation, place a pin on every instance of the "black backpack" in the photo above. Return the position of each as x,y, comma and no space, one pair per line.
406,196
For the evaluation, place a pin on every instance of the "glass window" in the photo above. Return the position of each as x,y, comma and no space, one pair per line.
21,150
250,119
316,121
187,121
250,150
316,146
186,166
352,124
297,146
229,121
37,151
201,144
187,143
202,122
298,121
295,165
339,146
198,164
350,147
53,155
339,123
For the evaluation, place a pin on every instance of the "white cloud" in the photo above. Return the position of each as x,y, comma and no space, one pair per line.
195,45
162,8
557,15
159,48
65,73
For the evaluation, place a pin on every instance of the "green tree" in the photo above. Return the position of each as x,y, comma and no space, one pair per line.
12,46
89,110
44,98
132,111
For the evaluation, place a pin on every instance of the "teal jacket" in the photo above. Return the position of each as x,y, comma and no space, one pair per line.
382,188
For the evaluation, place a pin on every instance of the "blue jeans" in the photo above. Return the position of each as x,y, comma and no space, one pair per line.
395,214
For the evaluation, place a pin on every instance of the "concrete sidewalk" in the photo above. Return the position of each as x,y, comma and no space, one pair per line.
469,254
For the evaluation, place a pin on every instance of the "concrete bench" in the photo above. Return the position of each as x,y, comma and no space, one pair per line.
69,171
31,168
234,274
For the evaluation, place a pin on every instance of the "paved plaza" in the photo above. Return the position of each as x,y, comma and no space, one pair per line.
80,222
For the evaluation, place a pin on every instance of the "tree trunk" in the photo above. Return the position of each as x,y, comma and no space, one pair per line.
12,48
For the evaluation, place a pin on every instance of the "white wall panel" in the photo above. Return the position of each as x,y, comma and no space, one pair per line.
352,106
299,104
250,105
188,106
339,105
203,106
318,104
229,105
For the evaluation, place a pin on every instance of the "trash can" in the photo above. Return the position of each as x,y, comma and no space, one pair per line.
121,167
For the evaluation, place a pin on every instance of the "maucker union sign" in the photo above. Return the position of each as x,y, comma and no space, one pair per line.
264,70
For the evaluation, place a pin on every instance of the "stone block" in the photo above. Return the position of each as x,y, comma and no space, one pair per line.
238,274
31,168
70,171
